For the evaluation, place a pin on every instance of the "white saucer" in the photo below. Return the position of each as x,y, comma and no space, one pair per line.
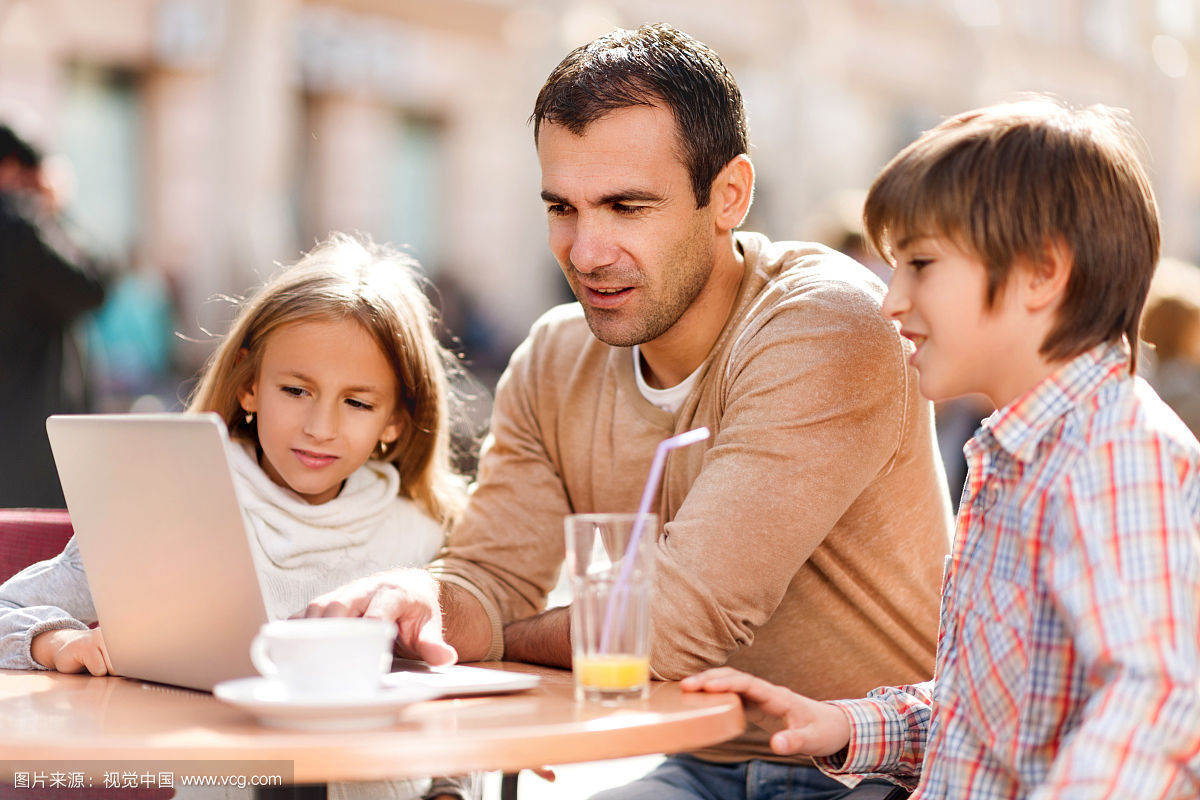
269,702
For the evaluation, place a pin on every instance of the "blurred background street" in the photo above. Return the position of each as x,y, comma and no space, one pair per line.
196,144
203,141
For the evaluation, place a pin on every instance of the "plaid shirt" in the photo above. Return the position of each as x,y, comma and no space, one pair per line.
1068,658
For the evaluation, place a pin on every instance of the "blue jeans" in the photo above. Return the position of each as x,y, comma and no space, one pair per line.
685,777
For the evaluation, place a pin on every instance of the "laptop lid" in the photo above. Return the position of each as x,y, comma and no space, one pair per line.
161,534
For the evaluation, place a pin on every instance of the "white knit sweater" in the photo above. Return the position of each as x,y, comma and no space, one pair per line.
304,550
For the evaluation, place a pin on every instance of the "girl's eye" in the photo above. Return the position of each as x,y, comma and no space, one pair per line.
294,391
359,404
919,264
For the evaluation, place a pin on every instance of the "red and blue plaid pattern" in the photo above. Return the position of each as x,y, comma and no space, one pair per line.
1069,652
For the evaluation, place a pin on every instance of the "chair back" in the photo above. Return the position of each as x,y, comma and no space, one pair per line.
29,535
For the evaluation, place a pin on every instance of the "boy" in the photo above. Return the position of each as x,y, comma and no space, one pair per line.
1023,238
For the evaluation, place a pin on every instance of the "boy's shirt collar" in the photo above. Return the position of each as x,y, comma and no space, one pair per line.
1021,425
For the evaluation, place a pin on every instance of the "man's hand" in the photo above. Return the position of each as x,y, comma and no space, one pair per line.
802,725
408,597
70,650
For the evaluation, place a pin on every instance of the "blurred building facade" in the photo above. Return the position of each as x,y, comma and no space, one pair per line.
213,138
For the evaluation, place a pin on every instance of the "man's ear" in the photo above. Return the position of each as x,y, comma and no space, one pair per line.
1044,282
732,192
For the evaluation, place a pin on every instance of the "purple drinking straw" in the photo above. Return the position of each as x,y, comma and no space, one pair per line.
656,468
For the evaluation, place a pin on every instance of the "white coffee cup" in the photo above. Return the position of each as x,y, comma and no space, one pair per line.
325,657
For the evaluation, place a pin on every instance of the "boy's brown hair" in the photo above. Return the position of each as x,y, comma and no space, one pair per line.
1009,181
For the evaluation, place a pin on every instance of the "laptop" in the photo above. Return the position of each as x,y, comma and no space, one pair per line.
158,524
159,528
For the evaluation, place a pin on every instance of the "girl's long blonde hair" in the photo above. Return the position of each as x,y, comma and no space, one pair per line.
349,277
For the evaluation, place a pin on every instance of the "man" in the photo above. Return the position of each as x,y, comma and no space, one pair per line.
803,542
47,283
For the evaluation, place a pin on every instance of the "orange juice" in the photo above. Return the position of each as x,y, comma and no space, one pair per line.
613,676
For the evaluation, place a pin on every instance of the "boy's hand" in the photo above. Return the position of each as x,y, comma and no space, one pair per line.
802,725
69,650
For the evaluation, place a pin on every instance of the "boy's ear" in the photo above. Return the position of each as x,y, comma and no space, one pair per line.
732,192
1045,281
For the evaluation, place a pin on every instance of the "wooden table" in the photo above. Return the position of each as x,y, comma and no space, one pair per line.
46,716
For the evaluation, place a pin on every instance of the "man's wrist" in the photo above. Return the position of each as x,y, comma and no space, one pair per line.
541,639
467,626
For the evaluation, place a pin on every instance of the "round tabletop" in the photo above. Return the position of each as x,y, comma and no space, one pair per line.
77,718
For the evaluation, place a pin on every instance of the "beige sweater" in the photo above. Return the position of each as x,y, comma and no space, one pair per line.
803,541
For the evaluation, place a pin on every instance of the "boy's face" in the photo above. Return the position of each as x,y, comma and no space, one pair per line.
938,295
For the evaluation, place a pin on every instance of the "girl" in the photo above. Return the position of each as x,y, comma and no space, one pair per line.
334,389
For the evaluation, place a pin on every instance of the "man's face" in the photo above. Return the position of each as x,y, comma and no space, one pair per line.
623,222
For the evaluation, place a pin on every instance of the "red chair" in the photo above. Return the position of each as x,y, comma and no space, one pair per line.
29,535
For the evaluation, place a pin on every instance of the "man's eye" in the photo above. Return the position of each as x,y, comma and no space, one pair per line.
558,209
626,209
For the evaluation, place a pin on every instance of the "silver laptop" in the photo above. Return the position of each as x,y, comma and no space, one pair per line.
167,553
161,534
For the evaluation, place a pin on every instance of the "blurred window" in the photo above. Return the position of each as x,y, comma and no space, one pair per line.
1040,19
416,182
1108,26
1177,17
100,137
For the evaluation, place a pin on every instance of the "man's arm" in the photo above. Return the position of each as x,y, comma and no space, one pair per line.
465,623
441,622
420,606
541,639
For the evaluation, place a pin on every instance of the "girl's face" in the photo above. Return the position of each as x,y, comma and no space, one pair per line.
325,396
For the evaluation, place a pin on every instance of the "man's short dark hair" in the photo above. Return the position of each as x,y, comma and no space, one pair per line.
13,146
655,65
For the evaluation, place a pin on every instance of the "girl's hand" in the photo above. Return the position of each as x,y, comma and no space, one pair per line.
802,725
69,650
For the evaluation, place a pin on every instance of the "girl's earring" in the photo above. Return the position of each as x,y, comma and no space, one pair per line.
249,417
383,448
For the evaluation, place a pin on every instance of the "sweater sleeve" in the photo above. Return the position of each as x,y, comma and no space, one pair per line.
811,412
45,596
499,552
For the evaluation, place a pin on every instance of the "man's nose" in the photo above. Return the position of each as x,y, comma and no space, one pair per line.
592,246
